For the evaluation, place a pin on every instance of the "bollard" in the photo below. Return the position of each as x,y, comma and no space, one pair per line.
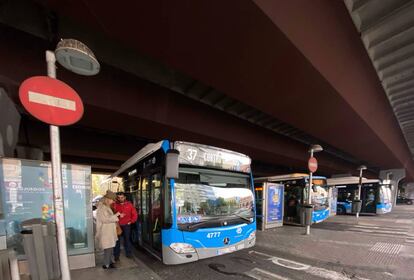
356,206
308,214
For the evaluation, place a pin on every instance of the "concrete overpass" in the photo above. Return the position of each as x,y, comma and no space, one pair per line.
266,78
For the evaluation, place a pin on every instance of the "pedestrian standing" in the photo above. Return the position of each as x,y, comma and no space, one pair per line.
106,220
129,217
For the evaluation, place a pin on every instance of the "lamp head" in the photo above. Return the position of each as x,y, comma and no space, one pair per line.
315,148
362,167
76,57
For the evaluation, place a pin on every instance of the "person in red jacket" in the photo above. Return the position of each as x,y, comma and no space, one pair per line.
128,216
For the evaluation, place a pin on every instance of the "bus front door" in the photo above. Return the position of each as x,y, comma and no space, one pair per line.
369,199
151,214
156,212
145,217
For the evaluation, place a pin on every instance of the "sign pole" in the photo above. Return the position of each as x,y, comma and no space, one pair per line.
309,192
359,190
57,182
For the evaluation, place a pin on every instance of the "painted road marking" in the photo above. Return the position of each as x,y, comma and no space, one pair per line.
290,264
403,221
366,226
386,248
409,240
261,274
53,101
346,243
378,231
313,270
390,228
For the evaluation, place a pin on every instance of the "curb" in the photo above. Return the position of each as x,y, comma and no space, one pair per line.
151,272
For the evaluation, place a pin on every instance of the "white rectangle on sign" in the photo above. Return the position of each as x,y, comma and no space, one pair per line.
53,101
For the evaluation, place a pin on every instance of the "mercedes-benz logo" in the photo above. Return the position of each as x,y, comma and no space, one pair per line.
226,240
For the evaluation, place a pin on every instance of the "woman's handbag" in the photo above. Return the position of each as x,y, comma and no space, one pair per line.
118,229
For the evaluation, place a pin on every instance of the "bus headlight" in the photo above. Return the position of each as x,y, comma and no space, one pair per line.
182,248
252,235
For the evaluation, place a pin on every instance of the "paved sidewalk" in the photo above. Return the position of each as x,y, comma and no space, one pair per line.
126,269
374,247
382,243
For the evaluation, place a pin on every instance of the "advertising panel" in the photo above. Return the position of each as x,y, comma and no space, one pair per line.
27,192
274,205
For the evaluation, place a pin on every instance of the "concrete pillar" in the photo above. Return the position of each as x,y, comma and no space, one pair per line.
409,190
394,176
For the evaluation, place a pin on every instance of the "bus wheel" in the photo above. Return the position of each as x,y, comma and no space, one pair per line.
340,210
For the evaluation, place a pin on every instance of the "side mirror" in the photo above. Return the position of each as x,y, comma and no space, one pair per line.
171,164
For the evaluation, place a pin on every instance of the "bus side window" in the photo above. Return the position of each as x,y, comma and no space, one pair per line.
343,195
137,202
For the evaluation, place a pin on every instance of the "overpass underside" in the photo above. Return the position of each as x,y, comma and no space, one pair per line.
265,78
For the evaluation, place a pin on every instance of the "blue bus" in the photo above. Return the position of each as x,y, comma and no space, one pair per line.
206,210
296,194
375,195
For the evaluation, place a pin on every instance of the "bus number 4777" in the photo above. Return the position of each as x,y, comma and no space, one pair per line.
213,234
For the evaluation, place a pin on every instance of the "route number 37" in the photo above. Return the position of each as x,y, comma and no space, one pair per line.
191,154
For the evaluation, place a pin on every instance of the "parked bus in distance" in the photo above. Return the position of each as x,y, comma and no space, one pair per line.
296,193
375,195
207,209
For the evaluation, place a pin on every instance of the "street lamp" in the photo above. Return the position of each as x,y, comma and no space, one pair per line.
313,149
78,58
357,204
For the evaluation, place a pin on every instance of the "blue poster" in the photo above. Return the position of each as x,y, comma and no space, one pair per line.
274,203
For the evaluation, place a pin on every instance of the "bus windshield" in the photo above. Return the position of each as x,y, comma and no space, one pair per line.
320,198
385,194
205,198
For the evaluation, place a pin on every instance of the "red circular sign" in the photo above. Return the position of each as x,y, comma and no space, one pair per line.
51,101
312,164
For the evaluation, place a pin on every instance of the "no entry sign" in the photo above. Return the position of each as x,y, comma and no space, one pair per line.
51,101
312,164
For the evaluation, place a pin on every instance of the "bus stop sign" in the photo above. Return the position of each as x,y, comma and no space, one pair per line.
312,164
51,101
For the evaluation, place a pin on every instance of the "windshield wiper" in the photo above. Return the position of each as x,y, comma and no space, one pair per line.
215,220
196,225
242,217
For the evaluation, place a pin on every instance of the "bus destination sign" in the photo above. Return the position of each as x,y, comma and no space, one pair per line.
201,155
